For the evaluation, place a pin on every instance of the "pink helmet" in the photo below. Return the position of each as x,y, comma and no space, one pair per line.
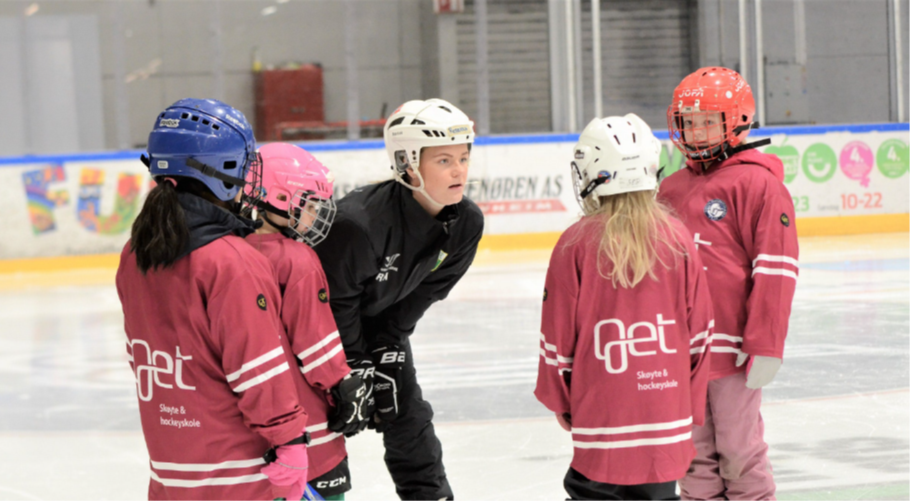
296,186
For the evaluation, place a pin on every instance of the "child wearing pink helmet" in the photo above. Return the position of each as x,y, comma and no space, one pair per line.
296,209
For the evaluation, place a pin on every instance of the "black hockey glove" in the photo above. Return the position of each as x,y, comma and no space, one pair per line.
361,368
389,361
350,397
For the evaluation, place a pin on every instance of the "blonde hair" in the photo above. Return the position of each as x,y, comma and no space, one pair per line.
635,227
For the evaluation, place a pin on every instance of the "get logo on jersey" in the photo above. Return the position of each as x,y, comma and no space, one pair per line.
613,343
156,368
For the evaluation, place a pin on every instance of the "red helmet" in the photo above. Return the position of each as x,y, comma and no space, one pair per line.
691,119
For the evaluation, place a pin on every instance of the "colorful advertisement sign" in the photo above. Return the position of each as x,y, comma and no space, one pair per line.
844,174
522,187
71,208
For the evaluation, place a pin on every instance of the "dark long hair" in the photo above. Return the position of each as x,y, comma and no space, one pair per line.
160,233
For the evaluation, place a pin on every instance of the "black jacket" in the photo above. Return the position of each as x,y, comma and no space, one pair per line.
387,261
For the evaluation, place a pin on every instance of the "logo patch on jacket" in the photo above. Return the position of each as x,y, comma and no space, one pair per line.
383,275
439,259
785,220
544,293
260,300
323,296
716,210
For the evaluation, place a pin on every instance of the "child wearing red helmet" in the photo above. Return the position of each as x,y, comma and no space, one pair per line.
732,198
294,203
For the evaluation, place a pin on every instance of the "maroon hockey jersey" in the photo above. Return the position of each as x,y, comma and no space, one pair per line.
310,328
743,222
214,384
630,365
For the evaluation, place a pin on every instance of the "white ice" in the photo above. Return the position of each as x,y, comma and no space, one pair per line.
836,417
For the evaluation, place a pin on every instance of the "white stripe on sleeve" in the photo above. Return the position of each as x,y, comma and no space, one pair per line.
550,361
774,271
703,334
727,337
265,376
313,349
775,259
321,360
724,349
256,362
698,337
551,347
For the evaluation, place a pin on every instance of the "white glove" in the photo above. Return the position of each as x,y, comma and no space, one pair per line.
741,358
762,370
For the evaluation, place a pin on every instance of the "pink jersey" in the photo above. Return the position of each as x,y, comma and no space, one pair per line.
314,338
214,384
742,218
630,365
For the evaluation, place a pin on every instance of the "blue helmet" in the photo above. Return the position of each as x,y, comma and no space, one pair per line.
206,140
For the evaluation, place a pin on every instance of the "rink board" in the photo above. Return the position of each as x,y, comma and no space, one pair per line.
843,180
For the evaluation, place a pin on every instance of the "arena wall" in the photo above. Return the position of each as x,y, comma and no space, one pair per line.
843,179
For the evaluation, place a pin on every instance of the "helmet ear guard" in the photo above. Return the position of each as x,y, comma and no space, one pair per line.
401,161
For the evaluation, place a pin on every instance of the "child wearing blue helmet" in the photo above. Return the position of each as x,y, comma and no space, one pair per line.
217,392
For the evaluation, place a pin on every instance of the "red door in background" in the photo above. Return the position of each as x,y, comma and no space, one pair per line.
287,95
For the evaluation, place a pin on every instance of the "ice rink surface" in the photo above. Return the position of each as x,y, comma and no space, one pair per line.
836,416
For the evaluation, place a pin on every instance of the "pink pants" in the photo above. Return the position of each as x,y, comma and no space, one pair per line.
732,456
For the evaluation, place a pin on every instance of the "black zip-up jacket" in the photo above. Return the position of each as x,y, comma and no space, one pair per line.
387,261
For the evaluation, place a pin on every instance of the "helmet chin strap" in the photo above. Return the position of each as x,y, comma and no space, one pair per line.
724,151
420,189
284,230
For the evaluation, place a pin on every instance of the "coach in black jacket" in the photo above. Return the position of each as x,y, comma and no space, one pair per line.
394,249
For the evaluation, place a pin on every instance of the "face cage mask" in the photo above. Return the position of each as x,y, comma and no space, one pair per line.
253,192
718,143
323,212
584,189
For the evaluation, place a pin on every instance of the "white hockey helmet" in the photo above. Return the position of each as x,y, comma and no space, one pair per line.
420,124
614,155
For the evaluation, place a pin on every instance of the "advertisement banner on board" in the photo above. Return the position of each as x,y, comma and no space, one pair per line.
70,208
843,174
87,207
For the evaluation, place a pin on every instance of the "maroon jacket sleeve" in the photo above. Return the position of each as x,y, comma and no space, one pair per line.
558,332
771,243
245,325
700,318
312,331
